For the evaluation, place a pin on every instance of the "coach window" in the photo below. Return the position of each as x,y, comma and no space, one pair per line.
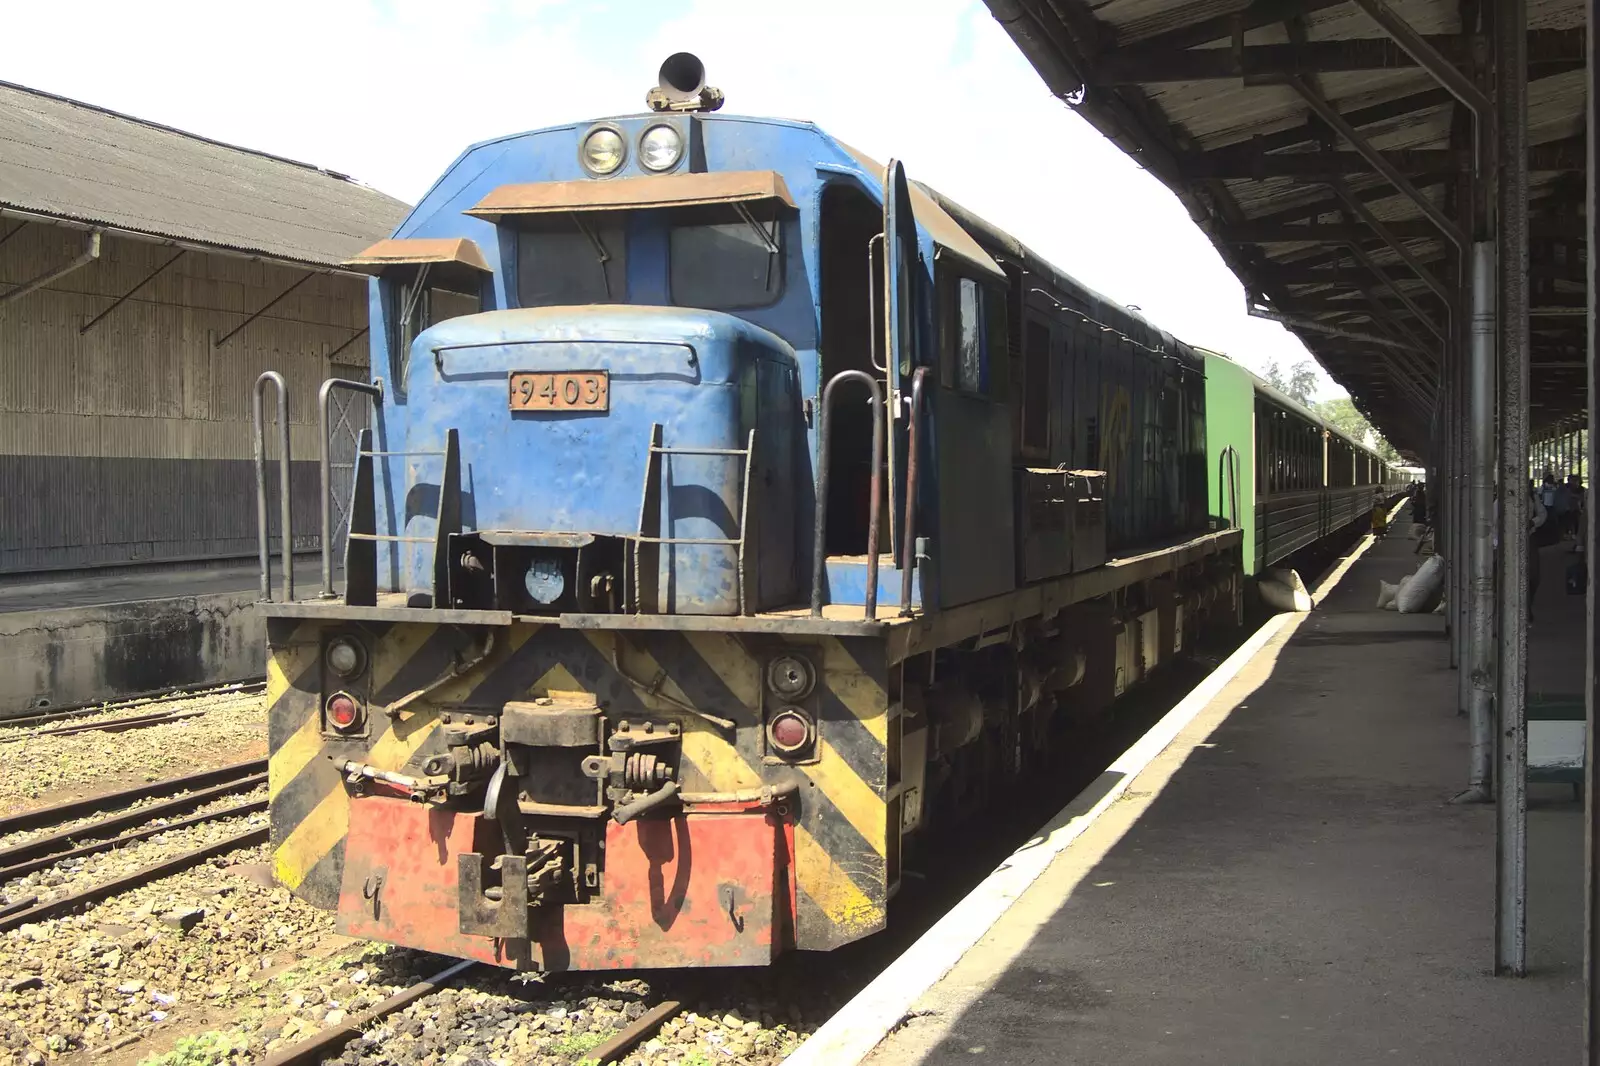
726,257
575,258
416,297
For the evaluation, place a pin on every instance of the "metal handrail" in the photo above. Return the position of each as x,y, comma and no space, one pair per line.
325,465
908,548
258,413
819,532
1228,482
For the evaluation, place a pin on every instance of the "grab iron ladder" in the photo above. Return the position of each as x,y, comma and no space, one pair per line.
361,547
645,588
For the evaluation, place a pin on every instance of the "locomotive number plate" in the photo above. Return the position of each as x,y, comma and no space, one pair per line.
539,390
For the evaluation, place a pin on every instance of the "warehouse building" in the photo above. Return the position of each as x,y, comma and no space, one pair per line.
147,276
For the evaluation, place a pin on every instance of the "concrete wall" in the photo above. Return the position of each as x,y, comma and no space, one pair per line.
83,654
133,442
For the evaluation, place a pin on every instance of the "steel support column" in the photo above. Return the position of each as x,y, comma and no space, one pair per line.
1511,214
1480,659
1591,851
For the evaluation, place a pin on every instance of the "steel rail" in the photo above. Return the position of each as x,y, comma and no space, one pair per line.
82,710
328,1042
76,901
40,862
68,838
636,1033
62,812
116,725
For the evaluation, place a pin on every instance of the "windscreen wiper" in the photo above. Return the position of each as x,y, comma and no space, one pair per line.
600,252
769,241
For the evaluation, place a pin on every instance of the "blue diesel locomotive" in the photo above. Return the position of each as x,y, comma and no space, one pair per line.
734,510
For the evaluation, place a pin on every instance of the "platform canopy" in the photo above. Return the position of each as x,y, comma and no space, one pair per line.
1332,171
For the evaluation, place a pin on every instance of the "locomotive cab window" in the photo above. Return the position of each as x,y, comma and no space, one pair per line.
417,297
572,259
725,257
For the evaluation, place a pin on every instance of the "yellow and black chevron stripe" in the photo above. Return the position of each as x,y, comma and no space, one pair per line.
843,835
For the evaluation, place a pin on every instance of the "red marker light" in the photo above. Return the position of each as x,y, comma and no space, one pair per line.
343,712
789,731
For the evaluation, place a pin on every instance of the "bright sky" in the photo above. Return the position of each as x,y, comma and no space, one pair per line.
390,91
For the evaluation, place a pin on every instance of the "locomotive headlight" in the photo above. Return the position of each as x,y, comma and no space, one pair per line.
790,676
660,148
603,150
345,657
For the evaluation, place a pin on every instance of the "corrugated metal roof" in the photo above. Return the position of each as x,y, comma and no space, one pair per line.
1250,160
65,159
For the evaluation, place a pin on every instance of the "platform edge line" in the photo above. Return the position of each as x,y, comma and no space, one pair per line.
857,1028
878,1009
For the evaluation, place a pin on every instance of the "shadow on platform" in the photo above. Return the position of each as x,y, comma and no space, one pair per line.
1288,883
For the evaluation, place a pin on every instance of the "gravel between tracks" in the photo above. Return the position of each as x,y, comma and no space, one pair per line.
496,1018
127,965
233,728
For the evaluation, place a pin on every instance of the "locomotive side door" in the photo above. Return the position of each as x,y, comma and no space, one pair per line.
903,347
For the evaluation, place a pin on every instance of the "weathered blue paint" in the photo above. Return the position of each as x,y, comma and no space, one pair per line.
847,582
585,473
699,375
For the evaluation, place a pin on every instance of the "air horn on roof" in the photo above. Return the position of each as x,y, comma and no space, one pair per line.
681,86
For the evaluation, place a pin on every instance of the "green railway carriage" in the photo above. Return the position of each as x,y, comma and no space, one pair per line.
1279,471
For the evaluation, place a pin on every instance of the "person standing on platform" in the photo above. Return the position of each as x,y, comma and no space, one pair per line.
1560,511
1541,533
1419,503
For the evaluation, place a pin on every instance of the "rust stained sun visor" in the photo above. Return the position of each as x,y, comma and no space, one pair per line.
416,251
621,194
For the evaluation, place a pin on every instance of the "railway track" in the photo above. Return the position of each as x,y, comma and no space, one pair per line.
65,721
125,826
330,1042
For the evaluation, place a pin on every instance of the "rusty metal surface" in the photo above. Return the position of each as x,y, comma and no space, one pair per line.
633,1035
400,251
687,890
325,1044
666,190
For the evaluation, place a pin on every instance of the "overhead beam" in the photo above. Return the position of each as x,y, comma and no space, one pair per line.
1549,51
1248,161
1344,233
1256,15
1357,209
1329,114
1419,48
1332,206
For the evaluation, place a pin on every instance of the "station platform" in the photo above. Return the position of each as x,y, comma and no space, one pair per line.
82,637
1284,881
